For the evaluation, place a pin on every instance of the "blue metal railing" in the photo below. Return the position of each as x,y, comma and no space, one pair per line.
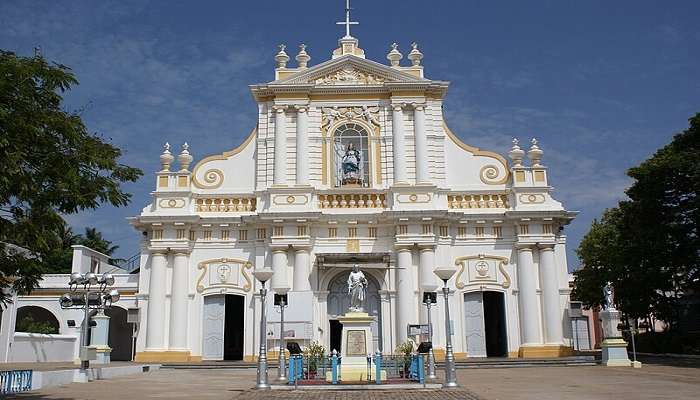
395,368
15,381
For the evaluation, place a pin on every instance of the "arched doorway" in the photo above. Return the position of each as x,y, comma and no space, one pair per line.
35,319
485,324
339,301
120,333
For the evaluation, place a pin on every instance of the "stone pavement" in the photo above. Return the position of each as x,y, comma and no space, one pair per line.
541,383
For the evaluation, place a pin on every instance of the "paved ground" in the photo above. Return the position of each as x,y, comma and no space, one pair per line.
541,383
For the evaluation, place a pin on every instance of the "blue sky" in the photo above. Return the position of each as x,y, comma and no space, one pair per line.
601,84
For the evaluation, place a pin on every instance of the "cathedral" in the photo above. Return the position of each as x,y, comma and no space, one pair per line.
350,164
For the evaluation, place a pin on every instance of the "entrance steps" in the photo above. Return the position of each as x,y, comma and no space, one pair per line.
491,362
497,362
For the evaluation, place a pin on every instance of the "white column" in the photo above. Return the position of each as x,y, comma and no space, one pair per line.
301,270
552,314
178,303
422,171
302,146
280,175
279,267
427,265
527,297
399,145
405,297
155,328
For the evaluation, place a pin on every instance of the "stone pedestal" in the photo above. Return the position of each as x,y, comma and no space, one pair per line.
99,338
614,347
356,344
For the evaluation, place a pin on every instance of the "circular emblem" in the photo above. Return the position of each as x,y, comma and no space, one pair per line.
482,268
532,198
290,199
413,197
172,203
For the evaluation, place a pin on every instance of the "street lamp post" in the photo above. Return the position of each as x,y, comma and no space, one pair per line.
429,298
450,374
263,275
281,301
88,298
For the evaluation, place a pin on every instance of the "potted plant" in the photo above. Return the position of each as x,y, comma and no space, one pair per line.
315,352
404,352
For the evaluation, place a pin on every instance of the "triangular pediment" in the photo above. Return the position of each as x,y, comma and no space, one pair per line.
348,71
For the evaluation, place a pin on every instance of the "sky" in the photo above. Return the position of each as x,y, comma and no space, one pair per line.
602,85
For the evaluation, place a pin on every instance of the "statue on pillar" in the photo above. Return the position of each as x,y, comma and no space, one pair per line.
357,289
609,294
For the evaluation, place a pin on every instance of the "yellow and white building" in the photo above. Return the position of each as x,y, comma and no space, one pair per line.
419,198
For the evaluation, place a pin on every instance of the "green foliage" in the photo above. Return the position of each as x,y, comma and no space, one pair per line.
405,348
28,324
51,166
648,246
316,352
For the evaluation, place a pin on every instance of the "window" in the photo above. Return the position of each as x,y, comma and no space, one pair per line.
479,231
352,232
224,234
372,232
207,235
427,229
35,319
524,229
278,231
193,235
262,233
332,232
157,234
243,234
444,231
301,230
547,229
497,232
351,156
461,231
402,229
180,233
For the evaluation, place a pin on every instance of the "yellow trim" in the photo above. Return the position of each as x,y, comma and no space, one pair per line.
520,176
204,266
165,356
478,152
512,354
223,156
539,176
162,181
182,181
370,132
544,351
460,262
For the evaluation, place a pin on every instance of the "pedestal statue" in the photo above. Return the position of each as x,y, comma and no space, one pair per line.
614,347
357,289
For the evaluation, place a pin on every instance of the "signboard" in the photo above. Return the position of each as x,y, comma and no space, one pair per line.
418,329
356,343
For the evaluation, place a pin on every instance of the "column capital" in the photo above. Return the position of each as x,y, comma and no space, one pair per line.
301,109
427,248
418,106
279,109
397,107
301,248
158,251
546,246
524,247
402,248
181,252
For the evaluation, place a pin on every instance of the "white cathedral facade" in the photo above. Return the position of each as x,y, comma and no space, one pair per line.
350,163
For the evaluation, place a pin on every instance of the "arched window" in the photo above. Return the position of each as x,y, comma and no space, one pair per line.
34,319
351,156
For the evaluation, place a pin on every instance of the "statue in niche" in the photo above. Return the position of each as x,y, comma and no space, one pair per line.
357,289
351,165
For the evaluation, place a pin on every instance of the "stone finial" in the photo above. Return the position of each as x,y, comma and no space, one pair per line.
281,57
303,57
535,153
516,154
166,158
394,55
415,55
185,158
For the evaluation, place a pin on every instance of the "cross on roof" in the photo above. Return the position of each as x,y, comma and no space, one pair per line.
347,21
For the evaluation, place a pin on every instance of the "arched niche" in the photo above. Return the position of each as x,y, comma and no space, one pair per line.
36,319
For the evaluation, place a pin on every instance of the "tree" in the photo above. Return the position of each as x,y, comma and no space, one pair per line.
648,246
51,165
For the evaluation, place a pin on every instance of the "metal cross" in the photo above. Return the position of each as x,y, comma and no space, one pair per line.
347,21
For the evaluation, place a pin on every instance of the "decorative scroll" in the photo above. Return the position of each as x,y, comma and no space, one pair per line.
224,273
482,268
364,113
213,178
491,175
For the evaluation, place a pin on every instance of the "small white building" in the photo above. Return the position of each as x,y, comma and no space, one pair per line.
351,162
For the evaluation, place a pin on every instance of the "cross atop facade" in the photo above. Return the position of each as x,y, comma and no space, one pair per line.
347,21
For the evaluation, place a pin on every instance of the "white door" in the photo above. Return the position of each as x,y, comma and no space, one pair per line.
213,332
474,324
579,327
